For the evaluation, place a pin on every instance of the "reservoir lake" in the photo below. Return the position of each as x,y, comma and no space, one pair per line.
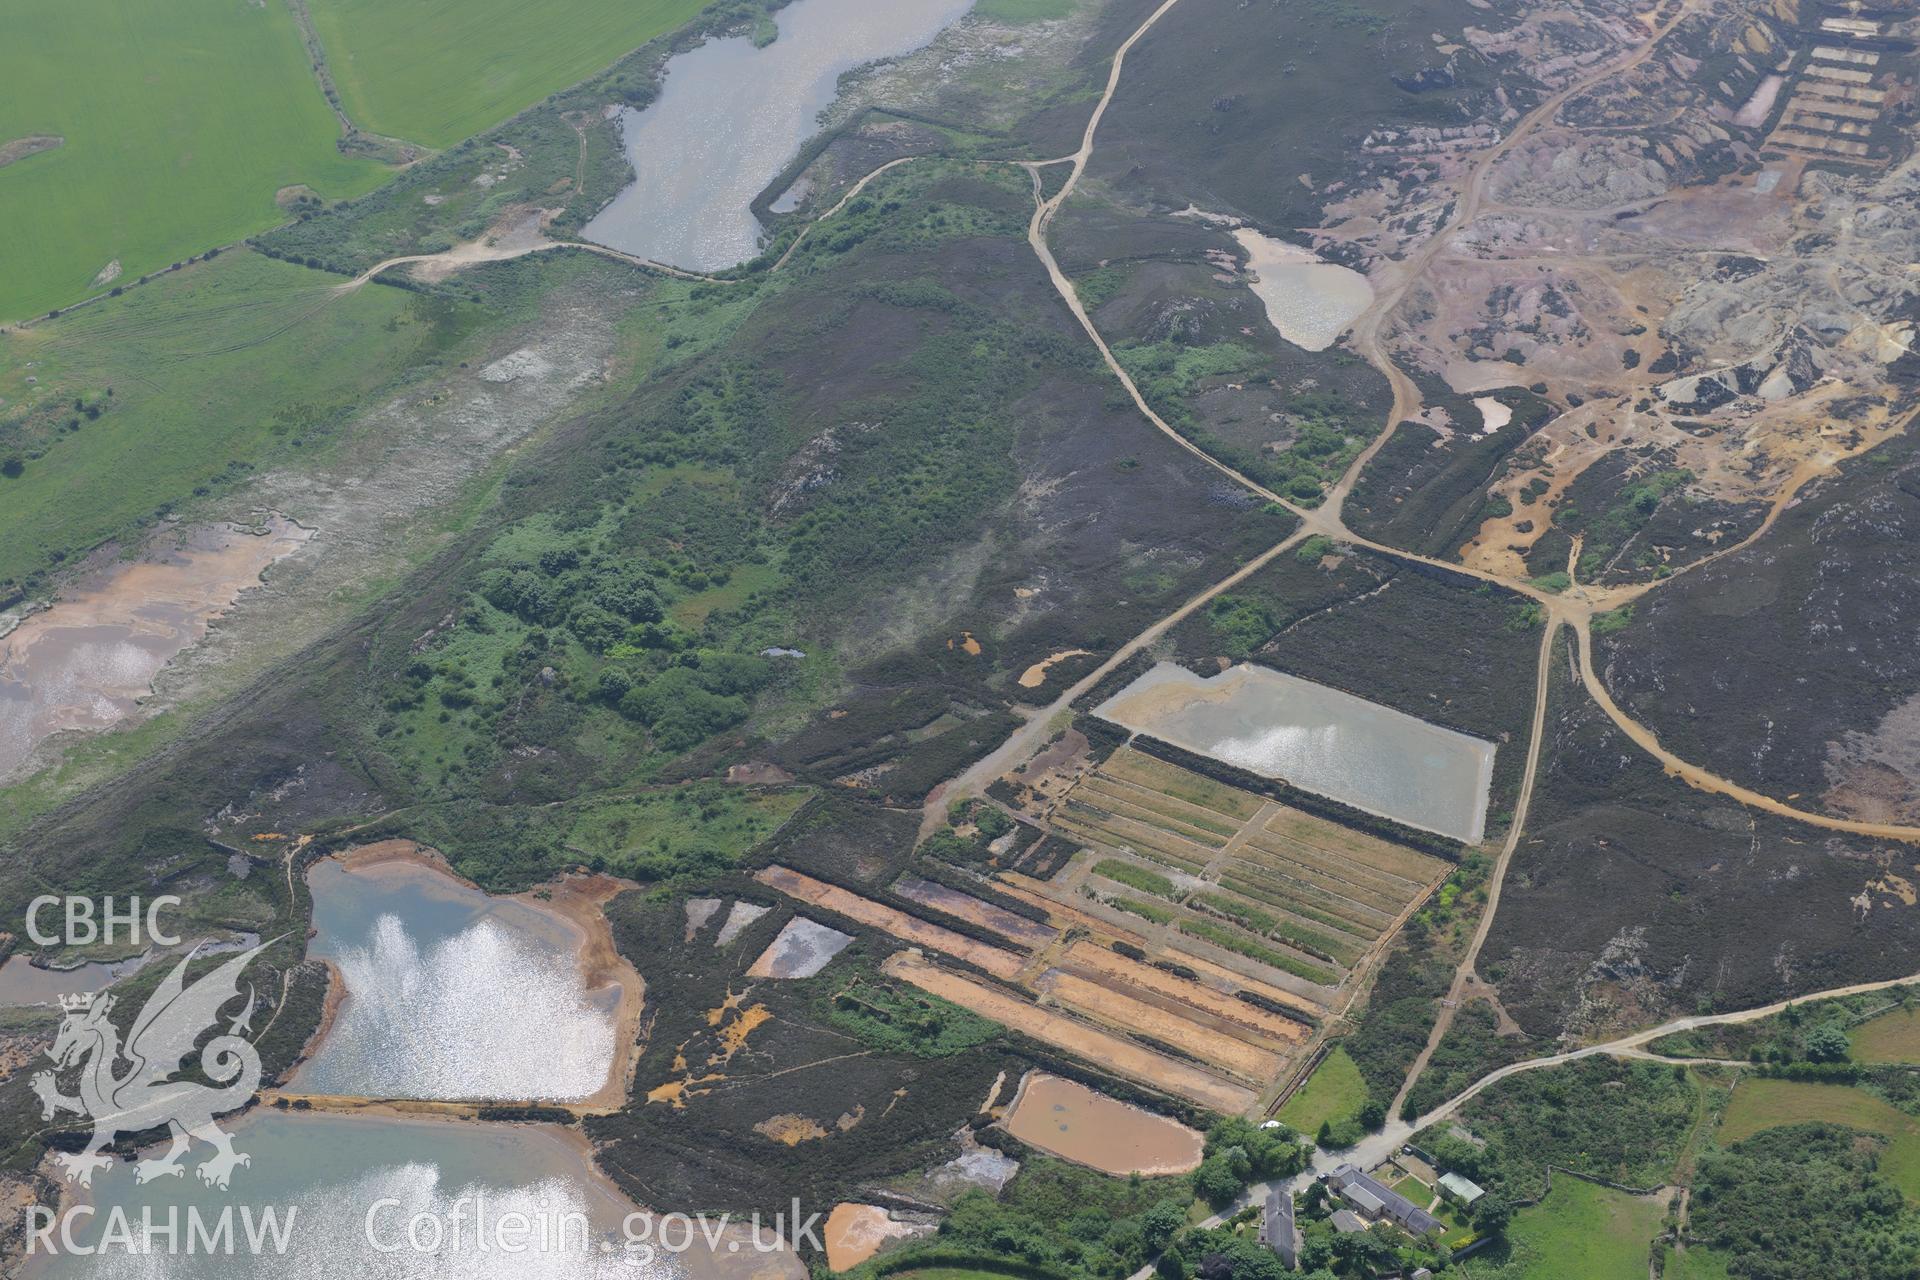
732,116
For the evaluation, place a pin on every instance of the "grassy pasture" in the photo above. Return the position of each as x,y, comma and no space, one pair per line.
1696,1263
1335,1092
438,71
180,121
1580,1231
1769,1104
241,360
1891,1037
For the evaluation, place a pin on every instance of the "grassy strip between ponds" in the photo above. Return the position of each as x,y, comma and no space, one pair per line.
1135,877
1253,918
1234,909
1145,910
1254,951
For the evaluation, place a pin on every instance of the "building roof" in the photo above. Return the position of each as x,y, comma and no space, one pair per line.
1411,1217
1346,1222
1466,1189
1276,1229
1363,1199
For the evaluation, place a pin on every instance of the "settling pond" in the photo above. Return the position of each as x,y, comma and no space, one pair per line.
1310,302
333,1170
1319,739
1075,1123
731,117
452,993
23,983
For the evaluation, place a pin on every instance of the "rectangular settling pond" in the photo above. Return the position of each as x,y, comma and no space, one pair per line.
1318,739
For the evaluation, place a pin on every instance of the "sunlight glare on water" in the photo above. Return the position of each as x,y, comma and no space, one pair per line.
480,1015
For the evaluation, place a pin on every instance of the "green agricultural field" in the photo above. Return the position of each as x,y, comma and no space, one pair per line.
1135,877
1769,1104
1696,1263
436,71
1891,1037
179,121
1580,1231
184,386
1334,1093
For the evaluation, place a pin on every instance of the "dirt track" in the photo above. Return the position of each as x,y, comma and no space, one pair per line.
1574,608
1465,975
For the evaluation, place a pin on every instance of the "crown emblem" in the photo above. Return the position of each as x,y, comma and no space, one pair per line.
79,1002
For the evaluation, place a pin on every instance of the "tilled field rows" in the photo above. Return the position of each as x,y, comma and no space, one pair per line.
1132,766
1202,912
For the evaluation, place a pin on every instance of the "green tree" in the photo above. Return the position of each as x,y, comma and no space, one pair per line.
1161,1223
1828,1043
1216,1182
1492,1214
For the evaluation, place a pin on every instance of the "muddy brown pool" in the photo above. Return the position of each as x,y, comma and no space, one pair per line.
1075,1123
